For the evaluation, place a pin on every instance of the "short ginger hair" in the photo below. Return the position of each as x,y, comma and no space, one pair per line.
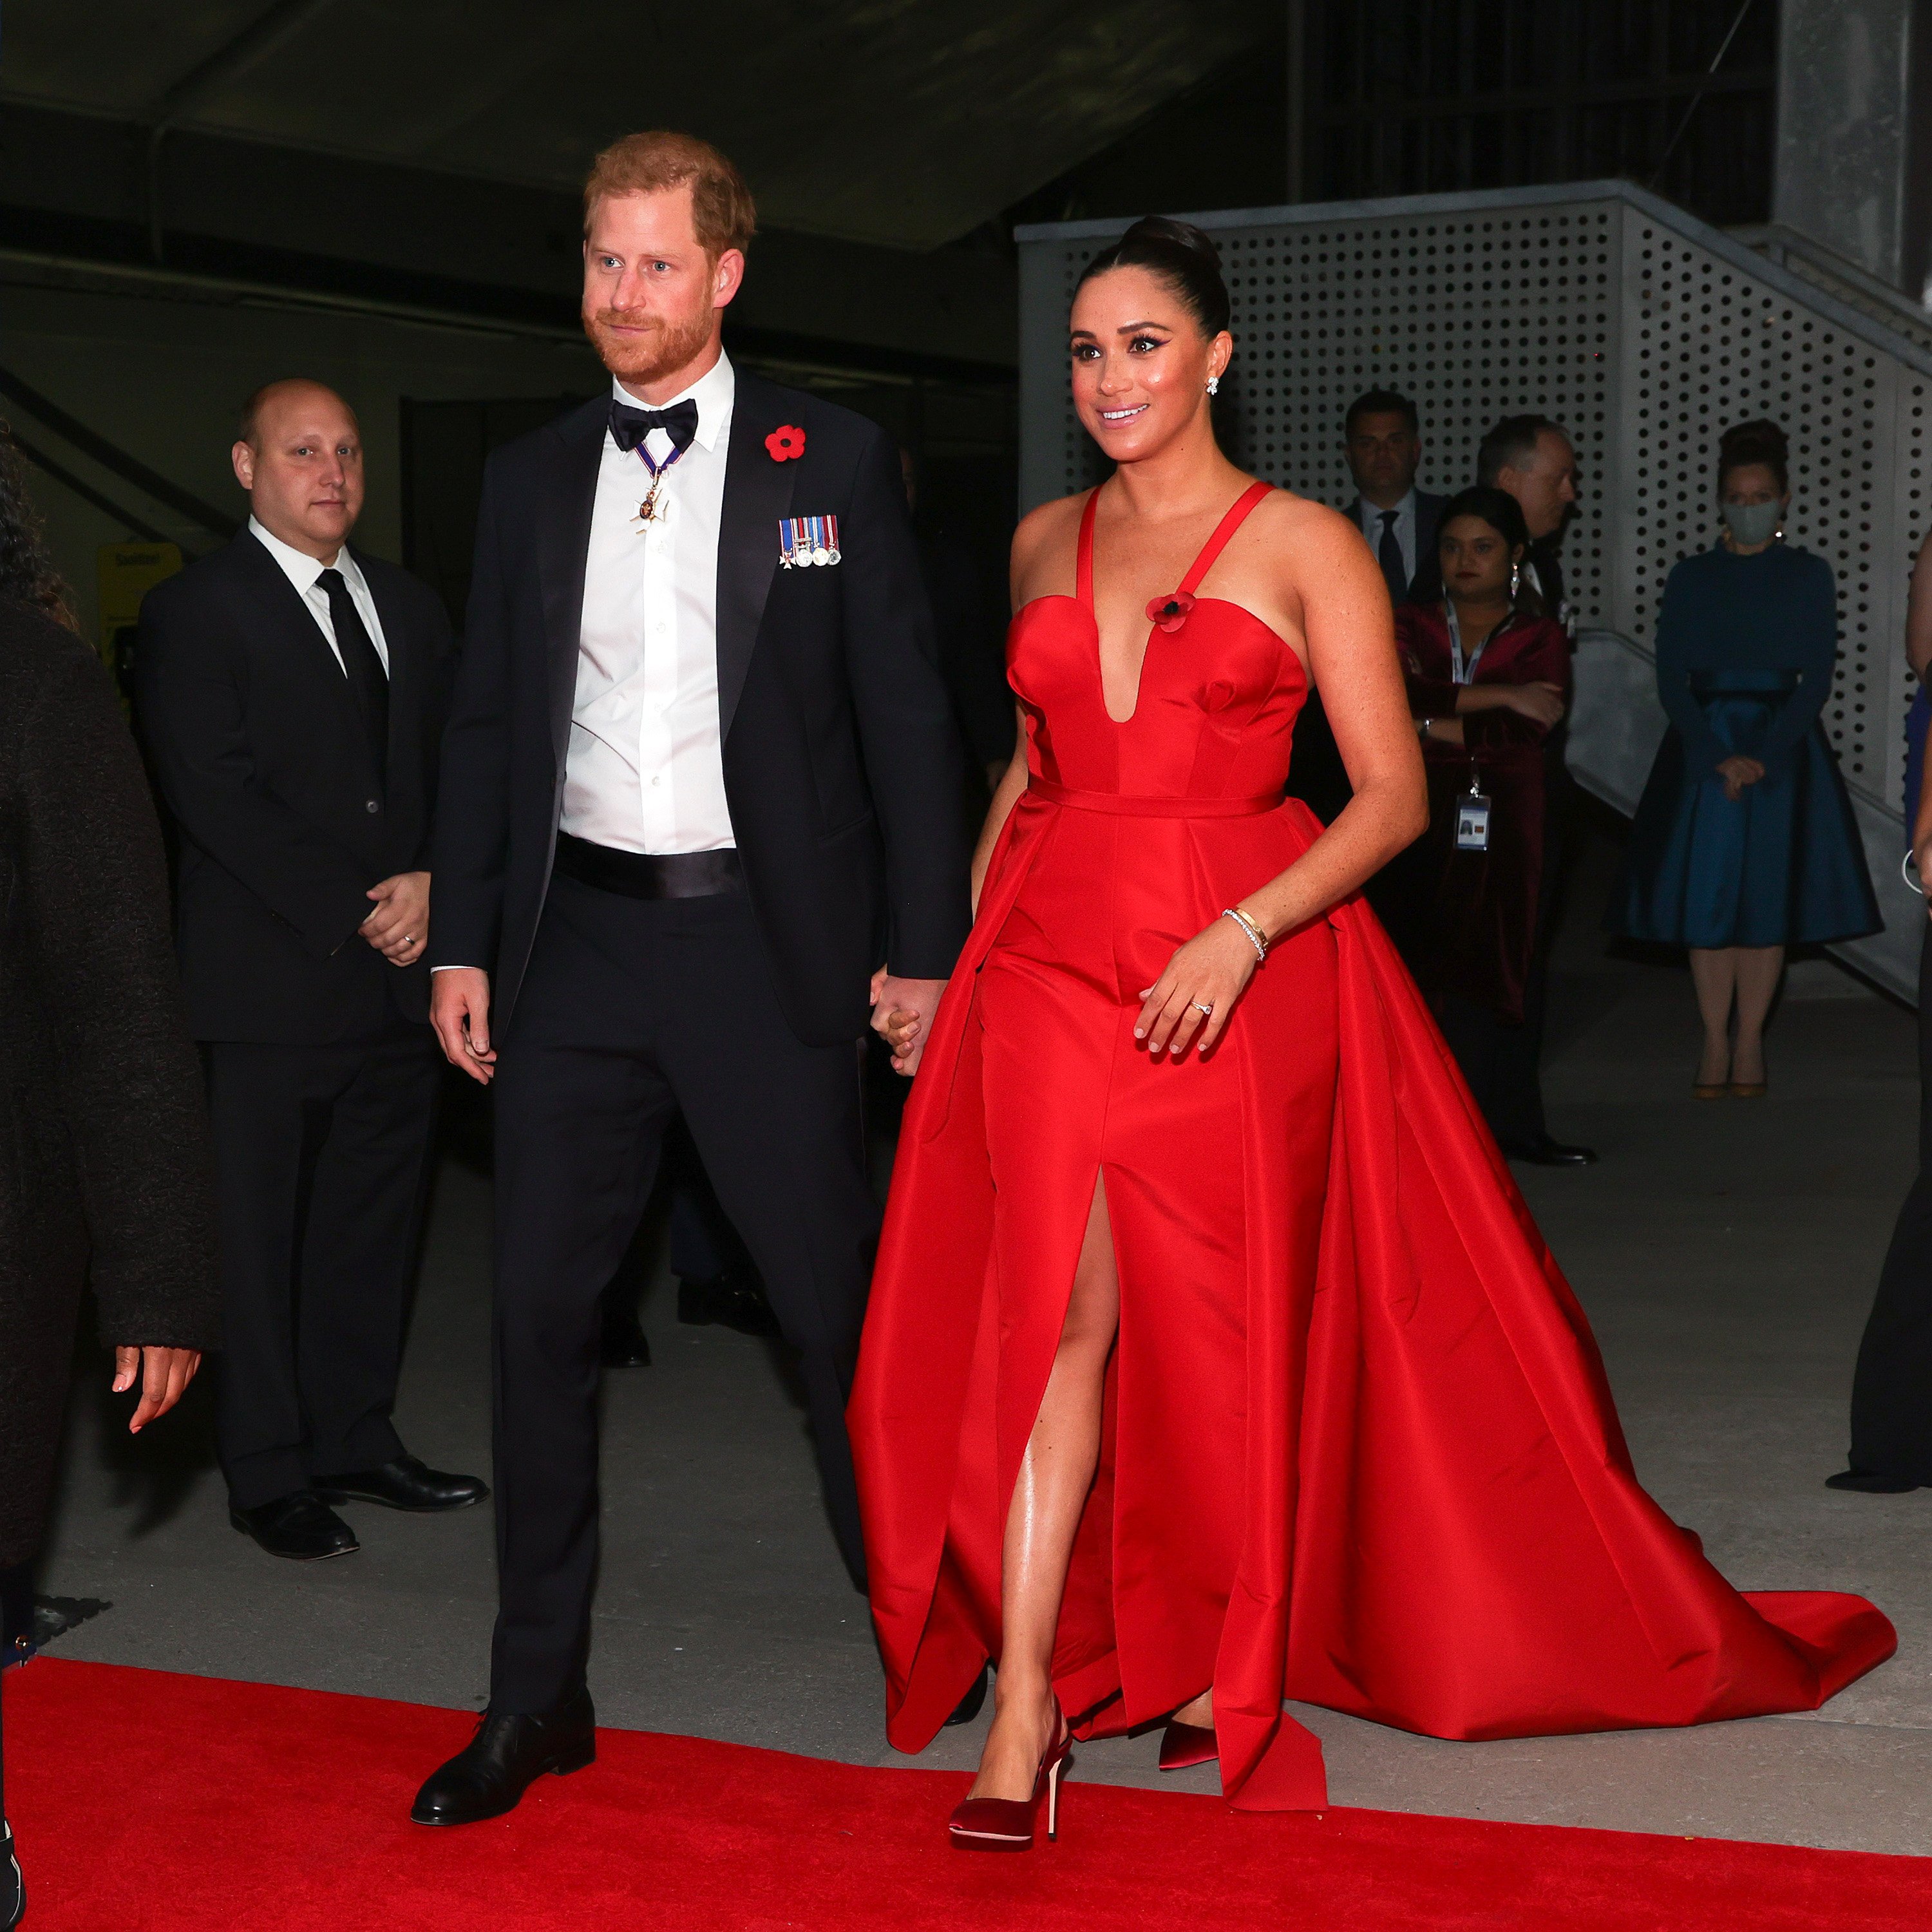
720,204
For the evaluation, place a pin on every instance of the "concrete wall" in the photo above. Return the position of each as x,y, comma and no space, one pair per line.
1853,79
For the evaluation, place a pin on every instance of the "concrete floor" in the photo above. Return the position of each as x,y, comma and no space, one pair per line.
1726,1254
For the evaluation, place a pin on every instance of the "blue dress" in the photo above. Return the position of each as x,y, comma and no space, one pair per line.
1745,647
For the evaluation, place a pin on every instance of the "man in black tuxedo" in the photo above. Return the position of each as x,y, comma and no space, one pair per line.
291,692
1382,440
700,810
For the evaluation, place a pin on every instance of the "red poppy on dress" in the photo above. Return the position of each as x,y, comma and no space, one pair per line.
1170,612
782,444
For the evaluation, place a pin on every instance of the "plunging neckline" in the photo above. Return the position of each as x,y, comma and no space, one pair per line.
1236,515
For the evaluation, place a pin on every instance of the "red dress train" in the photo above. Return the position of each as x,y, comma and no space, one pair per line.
1358,1448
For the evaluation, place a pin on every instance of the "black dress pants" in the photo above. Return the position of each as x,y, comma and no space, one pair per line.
1892,1389
322,1158
633,1010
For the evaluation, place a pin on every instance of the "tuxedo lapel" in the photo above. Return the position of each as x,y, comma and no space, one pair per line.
571,454
758,497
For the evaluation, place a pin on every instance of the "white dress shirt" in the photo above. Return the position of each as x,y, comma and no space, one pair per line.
645,768
304,572
1404,530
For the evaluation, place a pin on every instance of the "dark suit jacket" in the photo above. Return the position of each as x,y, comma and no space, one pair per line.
261,757
1426,579
106,1170
842,766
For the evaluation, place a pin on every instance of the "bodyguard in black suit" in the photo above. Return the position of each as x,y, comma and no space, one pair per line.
1382,438
291,693
700,815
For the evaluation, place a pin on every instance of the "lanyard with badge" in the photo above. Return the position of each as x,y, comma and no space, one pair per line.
1472,809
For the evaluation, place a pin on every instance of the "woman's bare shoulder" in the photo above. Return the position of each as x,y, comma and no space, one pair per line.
1043,544
1283,514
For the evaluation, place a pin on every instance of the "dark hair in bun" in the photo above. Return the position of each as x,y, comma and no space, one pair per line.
1761,442
1183,258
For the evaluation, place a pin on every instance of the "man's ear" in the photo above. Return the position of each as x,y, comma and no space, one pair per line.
243,456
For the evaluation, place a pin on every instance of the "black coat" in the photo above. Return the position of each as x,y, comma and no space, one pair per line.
263,762
105,1167
842,766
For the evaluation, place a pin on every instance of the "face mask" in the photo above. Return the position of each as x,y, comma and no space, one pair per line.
1753,523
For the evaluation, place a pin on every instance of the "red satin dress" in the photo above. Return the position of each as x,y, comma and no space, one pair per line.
1357,1446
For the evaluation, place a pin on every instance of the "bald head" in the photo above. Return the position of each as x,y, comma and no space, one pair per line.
299,453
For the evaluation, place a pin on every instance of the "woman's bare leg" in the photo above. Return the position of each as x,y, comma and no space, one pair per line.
1714,972
1055,1475
1758,970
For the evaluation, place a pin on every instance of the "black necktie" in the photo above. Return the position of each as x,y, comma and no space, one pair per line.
362,664
1388,552
629,427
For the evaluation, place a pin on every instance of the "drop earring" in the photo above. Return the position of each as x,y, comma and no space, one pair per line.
1214,385
1516,580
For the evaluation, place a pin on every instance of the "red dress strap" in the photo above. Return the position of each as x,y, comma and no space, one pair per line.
1083,566
1214,546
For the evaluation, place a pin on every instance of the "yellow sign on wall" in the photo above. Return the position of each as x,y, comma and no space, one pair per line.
125,574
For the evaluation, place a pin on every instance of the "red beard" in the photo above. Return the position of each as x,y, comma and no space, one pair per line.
665,348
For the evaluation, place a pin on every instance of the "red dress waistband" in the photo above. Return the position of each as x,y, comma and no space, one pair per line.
1118,805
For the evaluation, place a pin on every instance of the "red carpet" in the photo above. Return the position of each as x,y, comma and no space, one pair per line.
145,1801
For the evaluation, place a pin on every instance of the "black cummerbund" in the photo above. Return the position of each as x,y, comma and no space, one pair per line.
648,875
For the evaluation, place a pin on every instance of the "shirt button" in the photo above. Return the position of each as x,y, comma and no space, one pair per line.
657,780
373,805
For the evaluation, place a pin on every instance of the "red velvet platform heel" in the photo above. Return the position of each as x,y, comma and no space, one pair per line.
1182,1745
1008,1824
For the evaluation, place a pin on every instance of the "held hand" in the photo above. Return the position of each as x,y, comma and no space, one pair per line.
1210,971
164,1376
399,927
1737,771
459,1009
902,1011
1541,702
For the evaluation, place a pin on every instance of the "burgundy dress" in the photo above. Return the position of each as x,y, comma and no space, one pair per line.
1471,923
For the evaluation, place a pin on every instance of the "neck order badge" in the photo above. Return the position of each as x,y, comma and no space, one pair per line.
805,540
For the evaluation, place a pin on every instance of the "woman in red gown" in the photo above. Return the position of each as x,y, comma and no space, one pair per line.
1212,1357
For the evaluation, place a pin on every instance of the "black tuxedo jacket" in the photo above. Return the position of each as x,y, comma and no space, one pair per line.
842,766
1425,582
259,753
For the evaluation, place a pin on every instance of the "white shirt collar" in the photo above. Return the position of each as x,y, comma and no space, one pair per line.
714,392
297,566
1373,513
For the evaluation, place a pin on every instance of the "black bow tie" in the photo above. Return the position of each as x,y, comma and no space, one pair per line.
629,427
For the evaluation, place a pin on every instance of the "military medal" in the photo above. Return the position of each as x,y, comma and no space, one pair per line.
804,542
647,510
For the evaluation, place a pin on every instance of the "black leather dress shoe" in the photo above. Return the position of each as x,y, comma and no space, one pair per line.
13,1886
507,1755
406,1484
299,1524
1547,1153
624,1346
1868,1482
732,1300
967,1708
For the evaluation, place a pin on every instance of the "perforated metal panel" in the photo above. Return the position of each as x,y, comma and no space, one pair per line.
1644,332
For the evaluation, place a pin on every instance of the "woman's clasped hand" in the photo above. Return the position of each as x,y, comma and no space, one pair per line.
1737,772
1196,992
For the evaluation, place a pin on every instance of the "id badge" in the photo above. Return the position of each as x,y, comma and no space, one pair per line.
1472,823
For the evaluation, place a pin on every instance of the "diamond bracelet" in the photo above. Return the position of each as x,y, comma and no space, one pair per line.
1256,937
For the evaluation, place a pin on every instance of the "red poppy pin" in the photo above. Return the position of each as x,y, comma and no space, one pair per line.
1170,613
782,444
